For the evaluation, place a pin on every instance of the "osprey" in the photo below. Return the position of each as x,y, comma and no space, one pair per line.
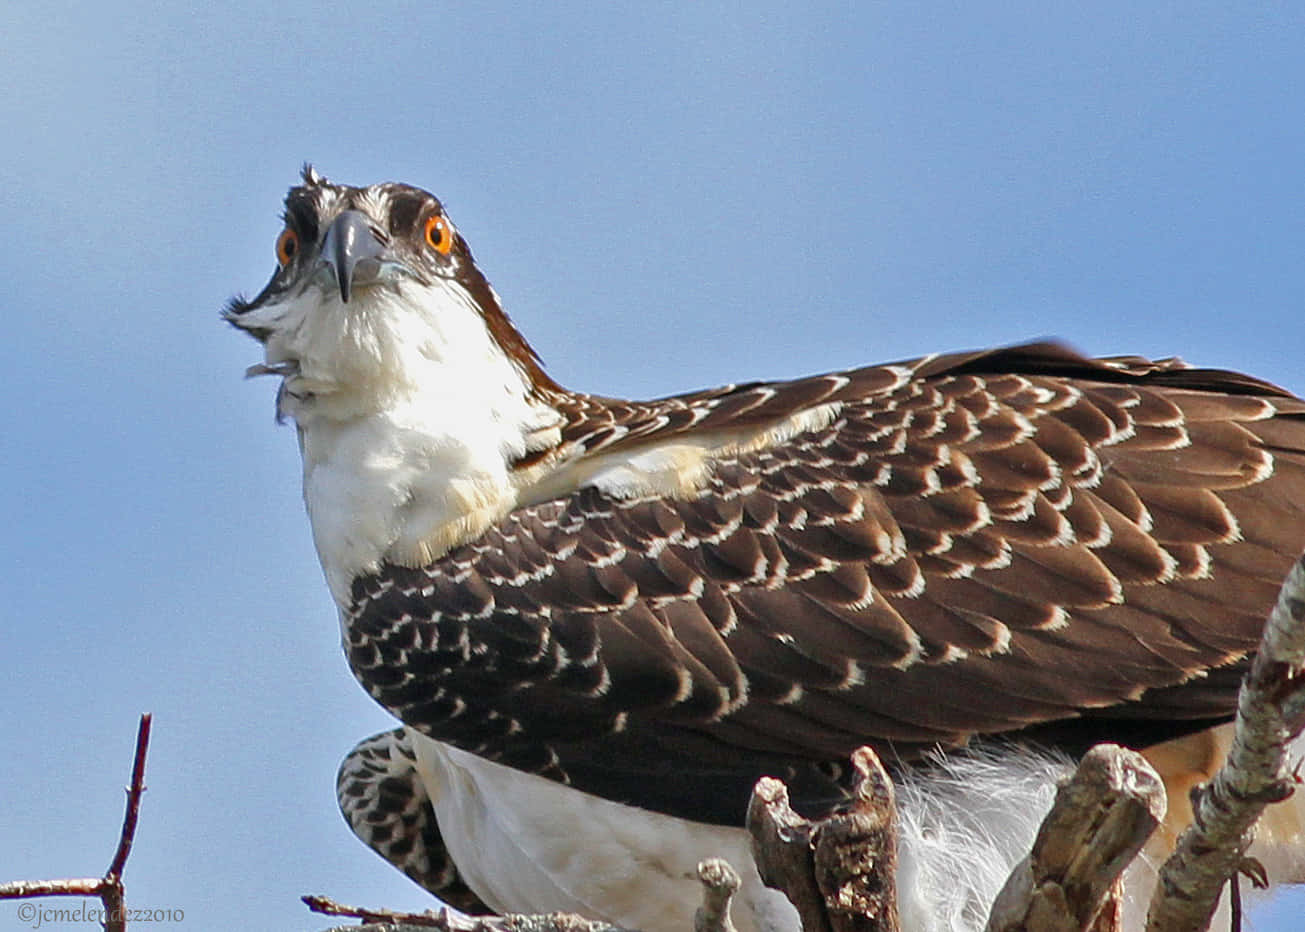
601,621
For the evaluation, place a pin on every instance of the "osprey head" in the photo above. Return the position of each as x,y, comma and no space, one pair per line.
373,286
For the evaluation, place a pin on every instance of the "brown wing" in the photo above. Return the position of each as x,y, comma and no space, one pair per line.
1022,541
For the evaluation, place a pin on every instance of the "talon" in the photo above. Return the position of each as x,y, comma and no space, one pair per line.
1254,871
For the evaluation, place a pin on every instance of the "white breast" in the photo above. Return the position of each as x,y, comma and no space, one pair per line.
409,414
403,485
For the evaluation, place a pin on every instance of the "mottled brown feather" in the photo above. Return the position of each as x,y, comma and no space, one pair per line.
1020,542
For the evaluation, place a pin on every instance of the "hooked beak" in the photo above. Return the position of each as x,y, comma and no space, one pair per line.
350,241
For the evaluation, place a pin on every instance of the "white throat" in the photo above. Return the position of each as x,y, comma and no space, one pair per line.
409,415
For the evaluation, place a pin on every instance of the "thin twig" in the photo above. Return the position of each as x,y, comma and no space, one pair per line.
451,920
134,794
109,887
29,889
329,907
111,893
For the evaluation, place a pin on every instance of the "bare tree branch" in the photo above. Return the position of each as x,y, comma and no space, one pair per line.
109,887
1270,713
112,891
29,889
855,853
840,873
329,907
448,919
781,848
719,884
1100,820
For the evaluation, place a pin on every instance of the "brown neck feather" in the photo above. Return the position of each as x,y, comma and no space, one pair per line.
507,335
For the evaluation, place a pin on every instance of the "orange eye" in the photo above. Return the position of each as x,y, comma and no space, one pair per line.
287,245
439,235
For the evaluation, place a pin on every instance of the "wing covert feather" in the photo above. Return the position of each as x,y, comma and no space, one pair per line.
973,546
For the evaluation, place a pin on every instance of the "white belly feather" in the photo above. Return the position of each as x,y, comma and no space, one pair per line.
528,845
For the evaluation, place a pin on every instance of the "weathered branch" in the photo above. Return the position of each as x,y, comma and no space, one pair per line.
719,884
543,922
328,907
855,853
108,888
1270,713
719,881
1100,820
29,889
839,873
448,919
781,848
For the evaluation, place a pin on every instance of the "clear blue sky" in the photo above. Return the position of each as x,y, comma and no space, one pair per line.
667,196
